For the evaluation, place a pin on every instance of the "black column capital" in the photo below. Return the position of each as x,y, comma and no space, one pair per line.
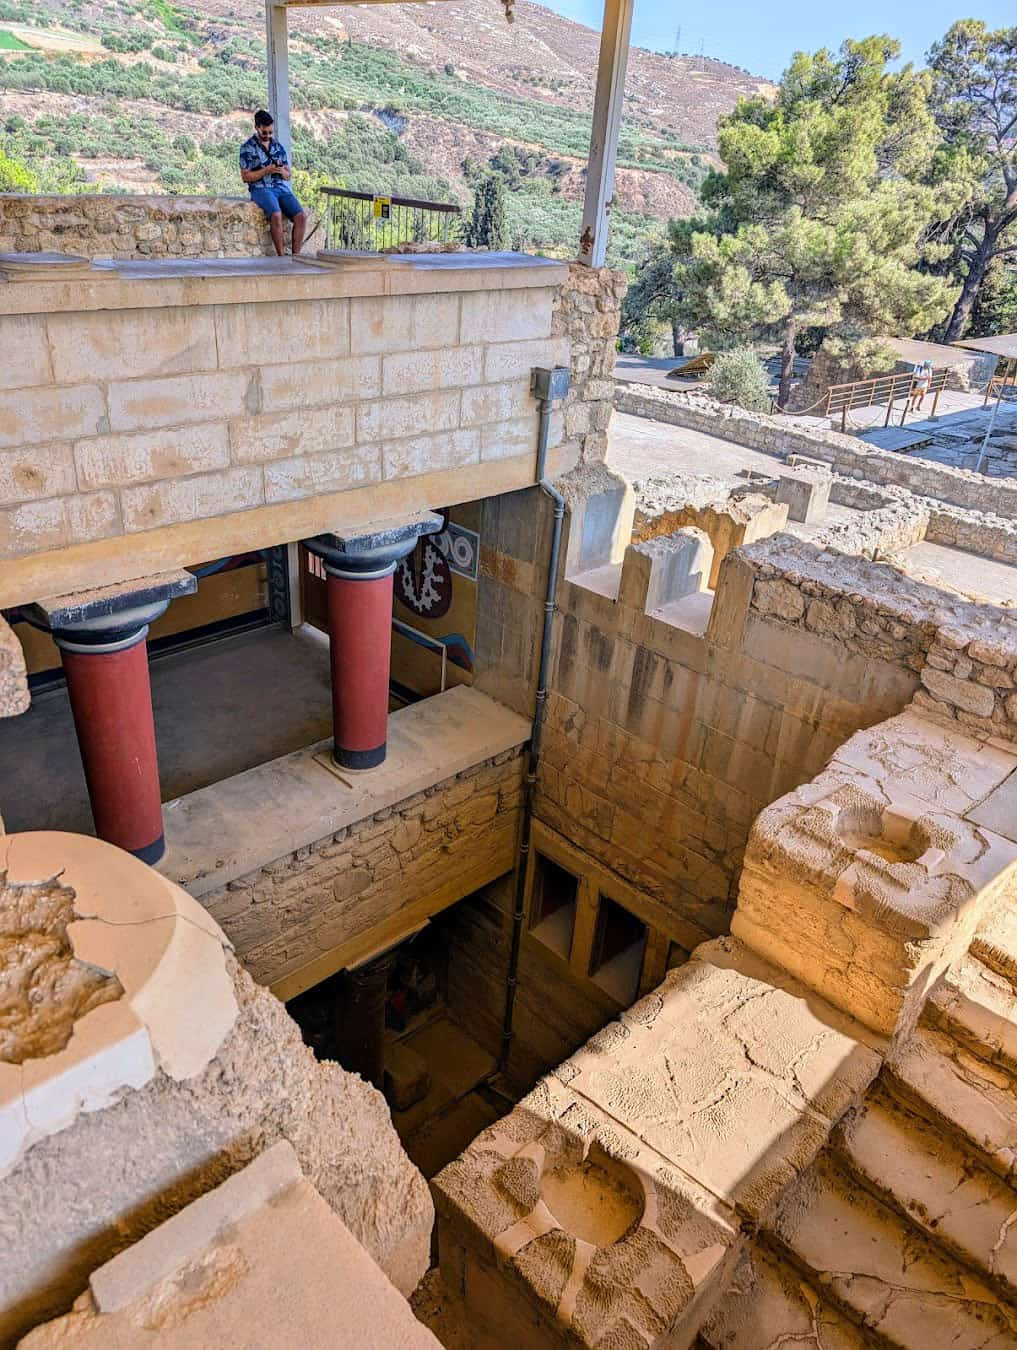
373,550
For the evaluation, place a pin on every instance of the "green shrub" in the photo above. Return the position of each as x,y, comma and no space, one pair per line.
15,176
739,377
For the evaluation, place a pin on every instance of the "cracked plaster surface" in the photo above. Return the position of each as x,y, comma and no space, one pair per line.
149,990
970,1099
966,1207
44,987
897,1283
714,1137
768,1306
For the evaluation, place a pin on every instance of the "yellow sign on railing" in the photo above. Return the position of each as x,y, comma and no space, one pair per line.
382,207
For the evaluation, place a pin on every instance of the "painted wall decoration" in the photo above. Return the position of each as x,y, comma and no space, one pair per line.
436,602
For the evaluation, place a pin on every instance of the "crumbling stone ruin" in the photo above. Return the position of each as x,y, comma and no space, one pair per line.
646,977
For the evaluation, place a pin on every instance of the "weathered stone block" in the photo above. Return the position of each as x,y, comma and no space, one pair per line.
424,454
43,471
512,315
111,461
35,416
210,494
263,334
394,418
497,403
27,358
506,440
139,405
665,569
805,494
133,343
304,384
329,471
973,698
268,436
57,522
446,368
862,889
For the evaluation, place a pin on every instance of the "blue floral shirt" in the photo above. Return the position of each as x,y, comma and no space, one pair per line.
253,155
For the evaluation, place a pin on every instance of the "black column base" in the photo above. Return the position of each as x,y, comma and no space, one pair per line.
151,853
360,759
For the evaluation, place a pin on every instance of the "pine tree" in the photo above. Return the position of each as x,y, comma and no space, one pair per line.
974,97
819,217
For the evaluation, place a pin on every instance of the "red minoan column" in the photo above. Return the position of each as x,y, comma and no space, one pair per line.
101,637
359,569
111,699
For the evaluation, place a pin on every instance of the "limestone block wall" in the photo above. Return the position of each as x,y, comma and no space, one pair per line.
402,862
846,455
96,225
149,422
658,734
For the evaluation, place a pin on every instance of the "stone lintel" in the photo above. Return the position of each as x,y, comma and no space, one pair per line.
114,605
375,543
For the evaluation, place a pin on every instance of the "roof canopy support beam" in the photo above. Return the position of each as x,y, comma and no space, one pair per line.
278,53
607,111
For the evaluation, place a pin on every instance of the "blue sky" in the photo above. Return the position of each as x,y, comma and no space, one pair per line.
761,37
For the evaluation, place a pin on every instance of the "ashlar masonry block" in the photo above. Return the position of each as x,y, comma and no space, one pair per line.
601,507
664,569
867,882
805,493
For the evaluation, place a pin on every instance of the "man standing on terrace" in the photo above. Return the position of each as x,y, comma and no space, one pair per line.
265,168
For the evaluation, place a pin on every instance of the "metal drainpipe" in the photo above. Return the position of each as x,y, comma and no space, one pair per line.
548,385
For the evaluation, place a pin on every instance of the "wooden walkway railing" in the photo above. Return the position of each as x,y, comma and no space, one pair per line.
875,392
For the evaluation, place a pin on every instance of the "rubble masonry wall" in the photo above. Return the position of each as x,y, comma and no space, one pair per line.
455,836
845,454
102,225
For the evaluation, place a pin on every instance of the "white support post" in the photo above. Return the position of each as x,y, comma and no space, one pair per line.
607,111
277,51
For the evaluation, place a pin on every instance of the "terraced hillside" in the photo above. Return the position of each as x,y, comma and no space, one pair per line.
151,95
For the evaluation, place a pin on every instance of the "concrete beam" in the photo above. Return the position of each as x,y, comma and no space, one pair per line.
607,110
278,57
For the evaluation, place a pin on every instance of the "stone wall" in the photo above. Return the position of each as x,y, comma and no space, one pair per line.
964,654
553,1012
154,421
586,314
402,862
95,225
845,454
13,675
682,734
989,536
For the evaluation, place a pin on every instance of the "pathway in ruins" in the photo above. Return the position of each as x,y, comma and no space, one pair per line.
640,448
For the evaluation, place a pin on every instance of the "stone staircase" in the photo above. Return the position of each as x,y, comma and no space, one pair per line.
904,1233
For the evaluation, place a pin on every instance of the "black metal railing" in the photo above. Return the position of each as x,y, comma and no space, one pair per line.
368,223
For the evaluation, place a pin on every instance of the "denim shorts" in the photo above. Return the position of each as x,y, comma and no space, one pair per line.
273,199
